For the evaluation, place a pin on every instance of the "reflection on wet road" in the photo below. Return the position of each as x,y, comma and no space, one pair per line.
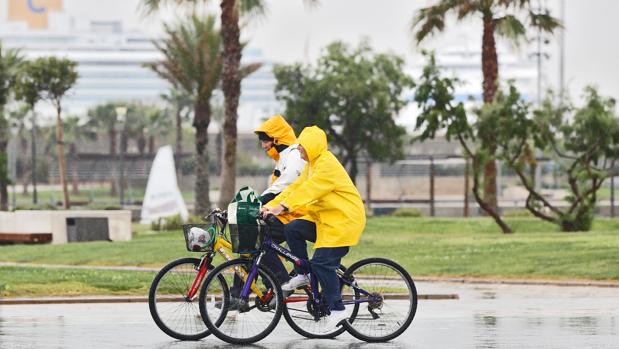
485,316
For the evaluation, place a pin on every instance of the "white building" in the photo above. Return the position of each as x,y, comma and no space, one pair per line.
110,60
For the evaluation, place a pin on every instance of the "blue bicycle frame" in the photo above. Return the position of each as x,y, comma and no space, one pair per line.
304,265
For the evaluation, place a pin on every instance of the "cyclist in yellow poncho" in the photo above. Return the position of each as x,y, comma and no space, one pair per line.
337,215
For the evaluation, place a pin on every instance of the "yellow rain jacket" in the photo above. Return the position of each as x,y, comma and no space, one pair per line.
327,192
277,128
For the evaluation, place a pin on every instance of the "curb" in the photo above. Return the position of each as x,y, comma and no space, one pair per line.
525,282
141,299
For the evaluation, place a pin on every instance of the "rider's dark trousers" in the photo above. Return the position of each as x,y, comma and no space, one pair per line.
324,263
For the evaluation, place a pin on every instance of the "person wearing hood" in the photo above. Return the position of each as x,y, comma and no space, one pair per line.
279,142
336,217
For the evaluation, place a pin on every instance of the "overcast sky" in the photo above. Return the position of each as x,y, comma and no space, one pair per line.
291,32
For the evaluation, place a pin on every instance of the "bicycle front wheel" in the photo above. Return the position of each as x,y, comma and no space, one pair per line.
173,313
387,297
244,321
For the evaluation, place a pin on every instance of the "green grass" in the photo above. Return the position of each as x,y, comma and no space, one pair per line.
98,196
424,246
32,282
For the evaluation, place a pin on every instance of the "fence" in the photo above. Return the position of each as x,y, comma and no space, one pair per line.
434,184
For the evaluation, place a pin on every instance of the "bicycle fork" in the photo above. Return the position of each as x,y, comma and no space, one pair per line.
202,270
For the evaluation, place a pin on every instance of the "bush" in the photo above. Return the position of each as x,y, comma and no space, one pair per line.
406,212
35,207
518,213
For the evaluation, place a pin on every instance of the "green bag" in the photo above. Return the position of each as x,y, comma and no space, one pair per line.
243,222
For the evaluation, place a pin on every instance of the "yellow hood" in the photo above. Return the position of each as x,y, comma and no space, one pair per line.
277,128
314,141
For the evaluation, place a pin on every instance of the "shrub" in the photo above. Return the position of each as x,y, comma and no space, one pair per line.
407,212
518,213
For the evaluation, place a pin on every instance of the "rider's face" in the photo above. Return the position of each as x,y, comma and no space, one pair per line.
266,145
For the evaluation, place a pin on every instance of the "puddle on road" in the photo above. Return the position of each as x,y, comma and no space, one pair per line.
500,317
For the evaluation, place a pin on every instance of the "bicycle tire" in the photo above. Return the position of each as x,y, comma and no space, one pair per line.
201,332
215,328
412,296
304,332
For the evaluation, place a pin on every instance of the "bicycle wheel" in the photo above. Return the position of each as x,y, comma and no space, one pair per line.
245,323
173,313
303,317
391,305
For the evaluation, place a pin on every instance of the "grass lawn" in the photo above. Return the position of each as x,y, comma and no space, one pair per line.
424,246
99,196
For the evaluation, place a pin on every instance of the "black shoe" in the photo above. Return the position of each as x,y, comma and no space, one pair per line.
232,305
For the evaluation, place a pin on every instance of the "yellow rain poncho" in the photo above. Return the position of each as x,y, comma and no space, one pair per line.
327,192
277,128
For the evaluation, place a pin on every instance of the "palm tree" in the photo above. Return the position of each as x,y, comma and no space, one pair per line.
193,62
104,116
180,103
76,131
159,125
231,76
498,17
29,91
55,77
10,62
18,119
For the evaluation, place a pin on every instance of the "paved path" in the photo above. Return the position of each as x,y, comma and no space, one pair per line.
485,316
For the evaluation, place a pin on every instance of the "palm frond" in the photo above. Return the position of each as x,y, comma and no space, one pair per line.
544,21
249,69
252,8
430,20
148,7
510,27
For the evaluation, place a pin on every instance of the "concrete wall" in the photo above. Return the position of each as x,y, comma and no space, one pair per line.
55,222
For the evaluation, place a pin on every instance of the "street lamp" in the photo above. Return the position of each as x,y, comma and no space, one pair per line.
121,112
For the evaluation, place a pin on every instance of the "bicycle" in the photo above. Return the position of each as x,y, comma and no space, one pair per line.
172,294
254,315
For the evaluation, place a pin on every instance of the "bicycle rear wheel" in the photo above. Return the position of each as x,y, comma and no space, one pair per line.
301,314
173,313
388,300
244,323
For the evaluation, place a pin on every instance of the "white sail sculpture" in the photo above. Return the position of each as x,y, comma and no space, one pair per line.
162,197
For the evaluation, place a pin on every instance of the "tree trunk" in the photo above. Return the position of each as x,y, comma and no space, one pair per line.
151,145
490,69
231,83
23,150
484,205
4,161
74,176
62,165
368,185
25,180
141,143
112,136
33,149
202,118
219,149
179,139
353,169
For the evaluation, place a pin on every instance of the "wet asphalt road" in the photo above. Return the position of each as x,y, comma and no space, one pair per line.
485,316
